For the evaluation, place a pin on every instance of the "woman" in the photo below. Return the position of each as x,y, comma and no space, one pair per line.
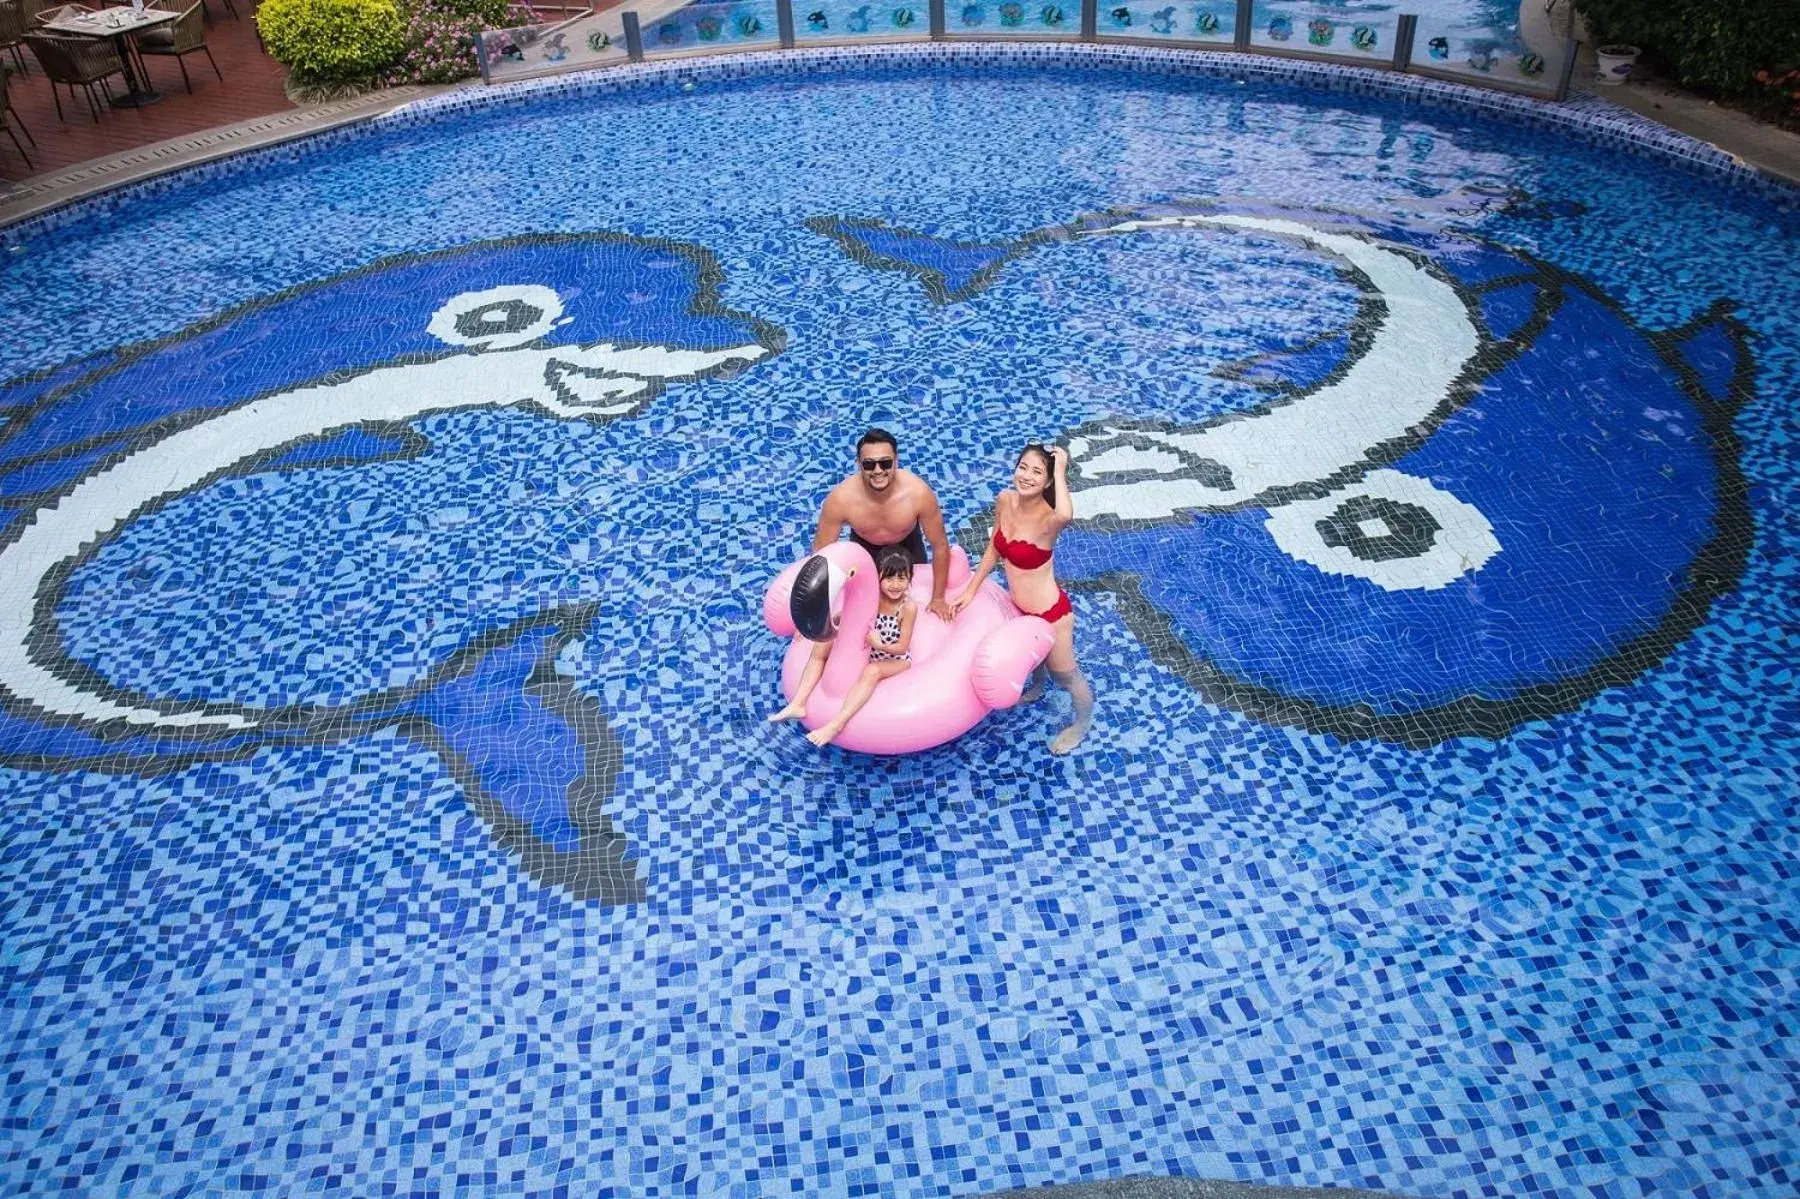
1026,521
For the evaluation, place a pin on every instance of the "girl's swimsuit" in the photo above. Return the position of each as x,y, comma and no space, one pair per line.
887,628
1027,556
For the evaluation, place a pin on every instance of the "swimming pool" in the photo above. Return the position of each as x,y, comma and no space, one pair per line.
389,800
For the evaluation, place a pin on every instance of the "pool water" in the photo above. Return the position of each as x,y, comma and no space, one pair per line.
390,805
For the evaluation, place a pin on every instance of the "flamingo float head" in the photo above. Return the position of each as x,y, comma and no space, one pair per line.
819,592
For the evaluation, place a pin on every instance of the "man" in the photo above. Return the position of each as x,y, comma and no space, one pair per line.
884,506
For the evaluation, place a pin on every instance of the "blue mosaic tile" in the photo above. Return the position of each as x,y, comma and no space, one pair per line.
389,805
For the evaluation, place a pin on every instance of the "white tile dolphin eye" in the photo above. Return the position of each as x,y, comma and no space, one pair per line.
1400,532
497,318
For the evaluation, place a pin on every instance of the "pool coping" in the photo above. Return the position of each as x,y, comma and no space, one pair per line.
97,186
39,194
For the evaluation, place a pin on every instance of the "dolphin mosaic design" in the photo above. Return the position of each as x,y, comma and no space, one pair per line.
581,326
1489,498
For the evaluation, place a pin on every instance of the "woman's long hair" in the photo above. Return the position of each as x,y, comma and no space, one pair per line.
1049,469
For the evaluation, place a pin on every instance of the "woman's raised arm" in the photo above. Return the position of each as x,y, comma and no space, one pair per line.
1065,503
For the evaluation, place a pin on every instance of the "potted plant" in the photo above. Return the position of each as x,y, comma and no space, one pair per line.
1615,63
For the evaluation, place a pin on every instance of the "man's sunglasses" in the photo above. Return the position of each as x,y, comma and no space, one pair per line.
871,465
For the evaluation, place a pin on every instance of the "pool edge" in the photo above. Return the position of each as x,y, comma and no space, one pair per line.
102,184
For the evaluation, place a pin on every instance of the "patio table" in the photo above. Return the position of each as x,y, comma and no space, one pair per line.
119,23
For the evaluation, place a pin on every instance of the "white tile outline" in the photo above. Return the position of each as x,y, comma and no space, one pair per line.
570,381
1419,351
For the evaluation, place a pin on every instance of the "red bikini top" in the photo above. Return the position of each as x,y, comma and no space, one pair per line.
1021,554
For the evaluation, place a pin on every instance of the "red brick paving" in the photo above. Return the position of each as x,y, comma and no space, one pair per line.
252,88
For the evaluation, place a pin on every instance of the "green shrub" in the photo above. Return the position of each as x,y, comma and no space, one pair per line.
1779,95
440,41
1713,45
331,41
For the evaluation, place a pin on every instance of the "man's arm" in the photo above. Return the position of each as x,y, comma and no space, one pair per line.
831,522
931,519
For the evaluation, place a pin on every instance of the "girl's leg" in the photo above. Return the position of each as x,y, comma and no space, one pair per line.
809,678
1067,673
1034,686
859,695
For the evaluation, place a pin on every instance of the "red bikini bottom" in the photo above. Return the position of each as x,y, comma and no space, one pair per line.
1056,611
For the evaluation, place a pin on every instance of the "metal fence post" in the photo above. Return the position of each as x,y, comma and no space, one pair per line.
1246,17
1571,48
784,21
937,20
634,37
481,58
1090,20
1404,33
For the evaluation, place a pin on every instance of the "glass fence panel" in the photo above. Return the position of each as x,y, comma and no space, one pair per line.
1486,41
1192,21
583,40
841,19
1518,44
719,25
1348,29
1013,18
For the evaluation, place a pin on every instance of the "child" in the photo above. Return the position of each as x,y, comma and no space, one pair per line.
890,641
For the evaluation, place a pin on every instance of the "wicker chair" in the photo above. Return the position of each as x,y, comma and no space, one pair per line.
12,28
56,12
76,61
186,34
6,111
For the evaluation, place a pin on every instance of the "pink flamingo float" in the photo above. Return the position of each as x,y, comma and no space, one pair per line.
960,671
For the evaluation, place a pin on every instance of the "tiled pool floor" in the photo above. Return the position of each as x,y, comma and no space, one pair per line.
389,806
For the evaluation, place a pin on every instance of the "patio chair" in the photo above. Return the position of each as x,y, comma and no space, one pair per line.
205,9
6,111
73,62
57,12
12,28
186,34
